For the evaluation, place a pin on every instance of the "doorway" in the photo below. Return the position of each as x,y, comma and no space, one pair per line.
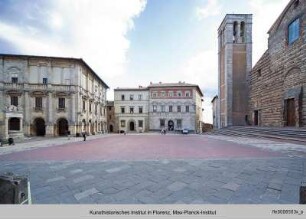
111,128
256,117
132,126
40,127
62,125
170,125
290,112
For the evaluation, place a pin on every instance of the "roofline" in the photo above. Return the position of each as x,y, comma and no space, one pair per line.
280,17
215,97
54,57
184,85
225,19
131,89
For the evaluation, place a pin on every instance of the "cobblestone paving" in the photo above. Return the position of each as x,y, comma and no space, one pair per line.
235,181
222,180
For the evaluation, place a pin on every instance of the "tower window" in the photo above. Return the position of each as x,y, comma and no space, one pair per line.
259,72
45,80
242,31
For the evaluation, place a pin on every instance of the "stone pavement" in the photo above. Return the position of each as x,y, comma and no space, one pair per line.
222,181
254,179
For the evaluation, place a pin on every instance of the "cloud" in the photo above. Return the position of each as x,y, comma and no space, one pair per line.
262,21
212,8
90,29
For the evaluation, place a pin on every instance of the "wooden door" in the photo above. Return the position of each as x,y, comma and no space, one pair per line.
256,117
290,108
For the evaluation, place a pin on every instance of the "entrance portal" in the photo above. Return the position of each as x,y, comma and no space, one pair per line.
290,111
256,117
40,127
62,125
170,125
111,128
132,126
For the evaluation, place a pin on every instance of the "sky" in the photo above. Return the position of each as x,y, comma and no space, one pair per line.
134,42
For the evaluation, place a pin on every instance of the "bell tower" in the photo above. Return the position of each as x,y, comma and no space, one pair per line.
235,65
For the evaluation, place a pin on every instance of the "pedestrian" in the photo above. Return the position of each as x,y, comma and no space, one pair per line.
84,136
68,134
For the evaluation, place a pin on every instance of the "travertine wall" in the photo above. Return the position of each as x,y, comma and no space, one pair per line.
67,78
280,74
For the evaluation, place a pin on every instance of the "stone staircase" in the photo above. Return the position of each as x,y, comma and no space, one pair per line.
286,133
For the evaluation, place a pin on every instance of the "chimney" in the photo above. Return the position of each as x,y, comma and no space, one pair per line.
151,82
160,82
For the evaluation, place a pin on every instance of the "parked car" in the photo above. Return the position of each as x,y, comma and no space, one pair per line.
185,131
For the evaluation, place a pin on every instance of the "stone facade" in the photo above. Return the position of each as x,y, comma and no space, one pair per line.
175,107
235,64
50,96
164,106
110,112
131,109
278,80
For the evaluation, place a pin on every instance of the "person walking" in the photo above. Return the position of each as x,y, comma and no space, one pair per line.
84,136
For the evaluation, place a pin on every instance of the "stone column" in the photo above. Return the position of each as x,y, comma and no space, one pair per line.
239,40
27,116
73,125
50,122
6,134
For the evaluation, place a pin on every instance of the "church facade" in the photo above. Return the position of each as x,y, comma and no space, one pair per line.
273,92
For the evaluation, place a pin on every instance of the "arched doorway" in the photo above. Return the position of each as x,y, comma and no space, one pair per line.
39,127
111,128
132,126
62,125
170,125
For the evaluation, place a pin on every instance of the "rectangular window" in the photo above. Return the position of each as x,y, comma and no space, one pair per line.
90,106
163,108
109,108
163,93
162,123
122,110
131,109
45,80
187,94
38,102
96,109
187,109
170,93
61,103
154,108
131,97
179,93
179,123
14,100
122,123
14,80
154,94
140,109
294,31
84,105
170,109
122,97
139,97
178,109
140,123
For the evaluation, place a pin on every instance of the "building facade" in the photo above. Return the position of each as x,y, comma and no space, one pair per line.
278,80
175,106
159,106
110,112
131,109
235,64
49,96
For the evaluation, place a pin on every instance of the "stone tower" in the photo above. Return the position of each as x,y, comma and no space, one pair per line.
235,65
